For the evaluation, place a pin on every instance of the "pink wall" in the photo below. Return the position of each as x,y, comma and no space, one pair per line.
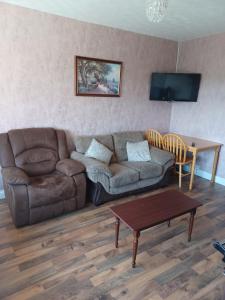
37,79
37,74
205,118
37,57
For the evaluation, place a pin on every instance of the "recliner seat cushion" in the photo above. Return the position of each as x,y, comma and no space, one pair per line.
49,189
122,175
146,170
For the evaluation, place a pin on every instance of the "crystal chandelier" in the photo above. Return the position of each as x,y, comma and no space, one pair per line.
156,10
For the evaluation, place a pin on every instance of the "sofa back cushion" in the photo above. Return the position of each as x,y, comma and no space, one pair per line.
35,150
138,151
82,143
121,139
99,151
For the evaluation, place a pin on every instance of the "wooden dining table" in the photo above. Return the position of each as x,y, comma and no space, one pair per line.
197,145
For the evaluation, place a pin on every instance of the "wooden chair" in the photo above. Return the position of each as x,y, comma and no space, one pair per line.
154,138
174,143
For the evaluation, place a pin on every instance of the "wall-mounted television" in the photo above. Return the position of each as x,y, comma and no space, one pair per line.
175,86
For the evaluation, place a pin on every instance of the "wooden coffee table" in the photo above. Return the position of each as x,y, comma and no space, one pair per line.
144,213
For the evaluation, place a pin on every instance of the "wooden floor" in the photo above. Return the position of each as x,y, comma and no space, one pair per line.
73,257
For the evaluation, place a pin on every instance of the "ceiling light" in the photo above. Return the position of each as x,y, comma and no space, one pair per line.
156,10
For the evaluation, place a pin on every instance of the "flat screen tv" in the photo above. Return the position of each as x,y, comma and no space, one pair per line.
175,86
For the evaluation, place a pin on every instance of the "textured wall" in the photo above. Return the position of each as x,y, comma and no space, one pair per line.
205,118
37,74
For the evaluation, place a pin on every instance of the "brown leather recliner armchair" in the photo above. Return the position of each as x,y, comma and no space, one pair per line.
40,181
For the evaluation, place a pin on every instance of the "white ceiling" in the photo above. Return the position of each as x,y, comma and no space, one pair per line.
185,19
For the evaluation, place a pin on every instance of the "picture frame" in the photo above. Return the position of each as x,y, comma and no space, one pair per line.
97,77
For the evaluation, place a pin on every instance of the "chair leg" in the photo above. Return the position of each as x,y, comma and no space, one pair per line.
180,175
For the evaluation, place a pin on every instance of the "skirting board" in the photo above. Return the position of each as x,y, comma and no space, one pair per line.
207,175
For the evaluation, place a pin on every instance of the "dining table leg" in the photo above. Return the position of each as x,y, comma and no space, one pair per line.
215,162
192,170
117,228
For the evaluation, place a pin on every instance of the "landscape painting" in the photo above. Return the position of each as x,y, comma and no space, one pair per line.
97,77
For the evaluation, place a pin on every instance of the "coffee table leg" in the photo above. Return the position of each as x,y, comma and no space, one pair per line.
168,223
135,247
191,222
117,228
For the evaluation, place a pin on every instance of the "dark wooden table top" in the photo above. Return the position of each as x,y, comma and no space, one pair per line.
146,212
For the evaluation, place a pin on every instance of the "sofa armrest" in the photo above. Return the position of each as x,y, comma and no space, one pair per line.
15,176
92,165
161,156
70,167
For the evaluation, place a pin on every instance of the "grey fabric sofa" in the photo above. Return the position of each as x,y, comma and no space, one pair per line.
121,177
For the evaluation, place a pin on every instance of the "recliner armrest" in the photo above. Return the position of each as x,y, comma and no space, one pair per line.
70,167
15,176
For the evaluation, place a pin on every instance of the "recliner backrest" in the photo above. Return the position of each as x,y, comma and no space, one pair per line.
6,154
35,150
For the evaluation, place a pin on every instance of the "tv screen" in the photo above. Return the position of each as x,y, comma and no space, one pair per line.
175,86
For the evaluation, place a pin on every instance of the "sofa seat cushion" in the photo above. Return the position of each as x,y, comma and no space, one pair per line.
49,189
122,175
146,170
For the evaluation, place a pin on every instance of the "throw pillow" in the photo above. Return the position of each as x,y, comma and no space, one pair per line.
98,151
138,151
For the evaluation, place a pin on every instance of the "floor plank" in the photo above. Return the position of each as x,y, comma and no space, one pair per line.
73,256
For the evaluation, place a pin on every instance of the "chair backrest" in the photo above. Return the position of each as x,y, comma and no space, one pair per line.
174,144
35,150
154,138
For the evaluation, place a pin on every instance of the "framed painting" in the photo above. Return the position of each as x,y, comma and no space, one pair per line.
97,77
